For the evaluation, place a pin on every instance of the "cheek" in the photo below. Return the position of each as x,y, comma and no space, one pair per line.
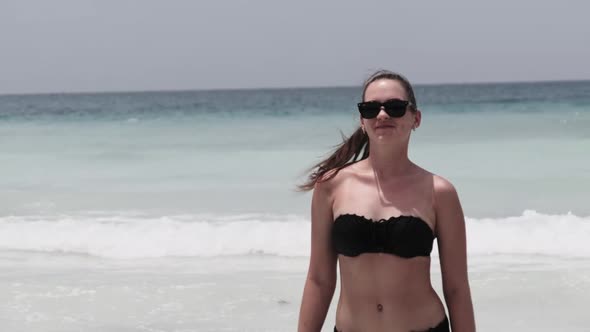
409,120
367,122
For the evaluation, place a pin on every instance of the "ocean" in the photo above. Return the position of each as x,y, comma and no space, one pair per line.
178,210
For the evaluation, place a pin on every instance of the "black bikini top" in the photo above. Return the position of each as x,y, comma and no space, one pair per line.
404,236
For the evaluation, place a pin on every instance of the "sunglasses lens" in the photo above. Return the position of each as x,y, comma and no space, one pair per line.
369,110
396,108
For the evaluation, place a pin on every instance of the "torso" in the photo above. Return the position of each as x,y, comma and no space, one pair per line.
382,291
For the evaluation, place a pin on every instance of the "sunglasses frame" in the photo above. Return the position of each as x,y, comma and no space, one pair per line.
395,108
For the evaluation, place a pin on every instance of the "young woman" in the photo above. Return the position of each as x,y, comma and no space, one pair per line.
377,213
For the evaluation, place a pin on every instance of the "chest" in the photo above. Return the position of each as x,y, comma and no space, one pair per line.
382,202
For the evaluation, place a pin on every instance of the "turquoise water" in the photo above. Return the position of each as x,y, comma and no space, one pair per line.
206,156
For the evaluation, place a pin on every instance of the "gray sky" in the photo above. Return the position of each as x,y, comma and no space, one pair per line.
113,45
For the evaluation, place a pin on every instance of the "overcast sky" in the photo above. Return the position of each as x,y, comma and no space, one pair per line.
114,45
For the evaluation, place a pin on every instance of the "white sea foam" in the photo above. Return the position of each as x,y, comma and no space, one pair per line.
129,236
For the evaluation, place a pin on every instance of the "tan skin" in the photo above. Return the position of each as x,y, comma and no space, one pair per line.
381,291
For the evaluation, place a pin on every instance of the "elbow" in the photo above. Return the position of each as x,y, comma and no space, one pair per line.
455,287
457,291
450,292
325,282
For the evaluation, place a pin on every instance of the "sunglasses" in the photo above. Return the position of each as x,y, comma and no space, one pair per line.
395,108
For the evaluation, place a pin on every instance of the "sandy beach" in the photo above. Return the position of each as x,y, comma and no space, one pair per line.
44,292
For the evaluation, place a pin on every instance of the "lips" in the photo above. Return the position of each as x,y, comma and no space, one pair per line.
384,126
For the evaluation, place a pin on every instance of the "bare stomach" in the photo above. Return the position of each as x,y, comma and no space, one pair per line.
382,292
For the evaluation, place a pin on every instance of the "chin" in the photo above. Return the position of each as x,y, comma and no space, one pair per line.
385,138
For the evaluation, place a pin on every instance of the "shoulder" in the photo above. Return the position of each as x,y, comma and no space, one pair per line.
334,178
430,181
442,190
335,181
445,194
447,206
442,186
325,184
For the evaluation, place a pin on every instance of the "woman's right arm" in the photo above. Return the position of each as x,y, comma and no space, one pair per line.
321,276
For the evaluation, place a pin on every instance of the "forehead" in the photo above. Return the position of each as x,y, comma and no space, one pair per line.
384,89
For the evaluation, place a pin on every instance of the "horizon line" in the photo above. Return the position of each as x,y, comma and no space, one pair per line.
85,92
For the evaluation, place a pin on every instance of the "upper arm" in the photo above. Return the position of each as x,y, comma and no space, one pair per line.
322,264
451,238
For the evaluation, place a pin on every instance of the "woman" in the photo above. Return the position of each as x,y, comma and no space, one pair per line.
378,217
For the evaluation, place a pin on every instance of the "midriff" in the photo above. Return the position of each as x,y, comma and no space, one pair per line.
383,292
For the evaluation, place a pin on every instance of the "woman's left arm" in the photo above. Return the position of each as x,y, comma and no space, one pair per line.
450,230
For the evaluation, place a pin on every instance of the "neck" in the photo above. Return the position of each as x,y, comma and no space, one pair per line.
389,161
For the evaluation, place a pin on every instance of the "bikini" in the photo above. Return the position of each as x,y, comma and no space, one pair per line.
403,236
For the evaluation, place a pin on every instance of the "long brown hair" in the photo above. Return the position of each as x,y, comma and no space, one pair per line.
357,145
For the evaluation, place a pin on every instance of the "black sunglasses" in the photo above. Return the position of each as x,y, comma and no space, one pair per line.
395,108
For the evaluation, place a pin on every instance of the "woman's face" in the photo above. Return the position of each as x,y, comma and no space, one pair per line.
383,127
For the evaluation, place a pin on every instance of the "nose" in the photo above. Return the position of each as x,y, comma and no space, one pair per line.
382,113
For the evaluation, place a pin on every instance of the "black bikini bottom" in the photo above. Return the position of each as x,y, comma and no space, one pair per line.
443,326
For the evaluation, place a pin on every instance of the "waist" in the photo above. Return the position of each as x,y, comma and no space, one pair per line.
410,296
389,312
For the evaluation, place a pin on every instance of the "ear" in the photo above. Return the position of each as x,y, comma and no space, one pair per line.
417,118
